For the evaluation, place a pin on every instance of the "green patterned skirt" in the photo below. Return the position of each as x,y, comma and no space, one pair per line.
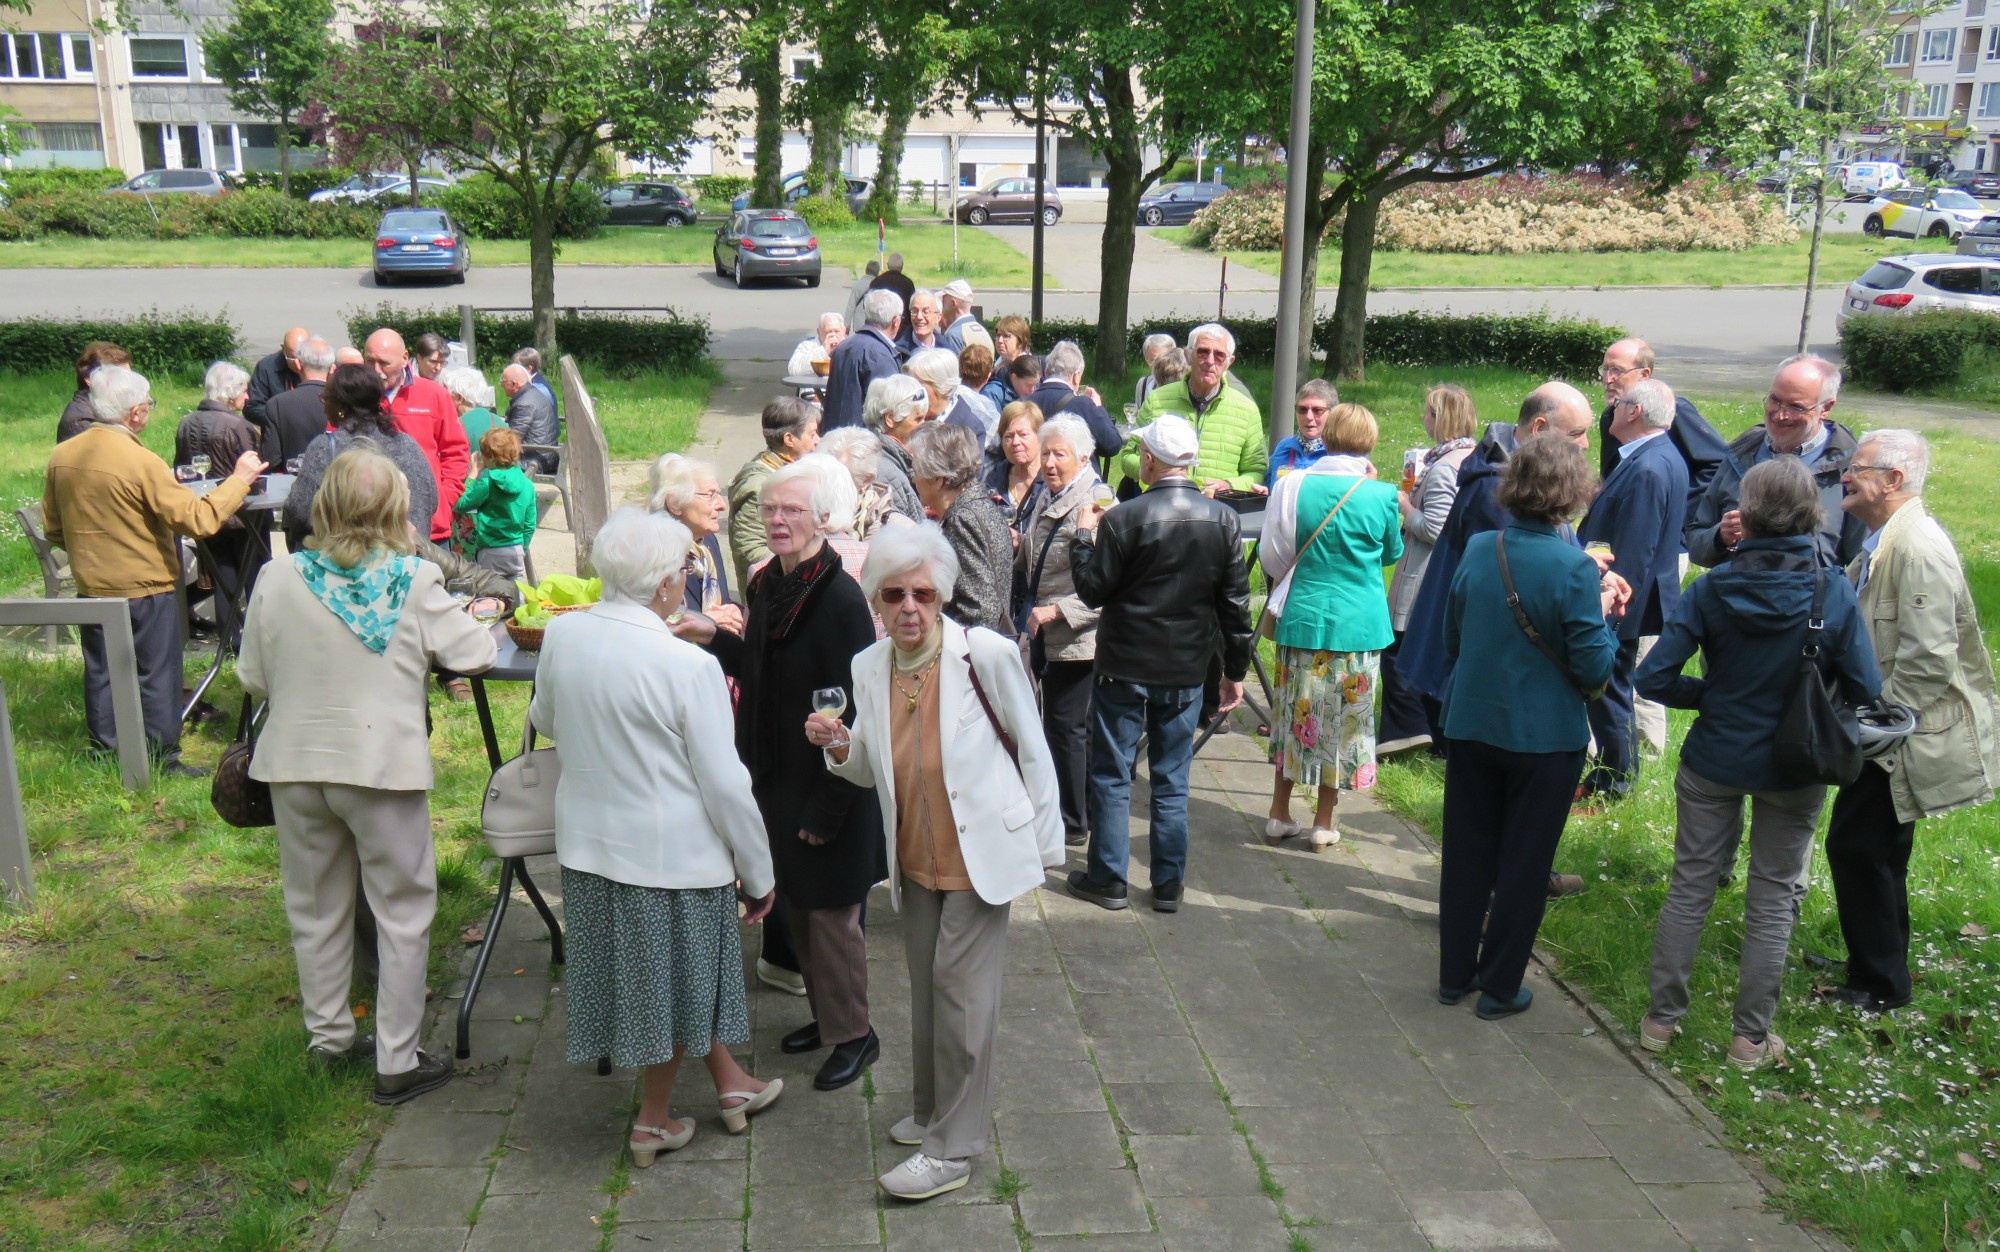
650,969
1323,720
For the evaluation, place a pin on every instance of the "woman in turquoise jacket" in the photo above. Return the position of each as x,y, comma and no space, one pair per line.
1332,527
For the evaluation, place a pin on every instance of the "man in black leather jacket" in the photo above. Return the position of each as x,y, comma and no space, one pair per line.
1167,569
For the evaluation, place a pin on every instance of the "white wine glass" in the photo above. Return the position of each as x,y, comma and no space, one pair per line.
830,703
1102,495
201,463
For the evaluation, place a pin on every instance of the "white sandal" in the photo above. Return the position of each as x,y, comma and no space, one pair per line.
1323,837
737,1118
643,1153
1278,829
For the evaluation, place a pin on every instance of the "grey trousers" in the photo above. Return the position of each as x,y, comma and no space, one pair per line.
833,956
1709,827
156,645
1651,718
508,560
956,944
328,836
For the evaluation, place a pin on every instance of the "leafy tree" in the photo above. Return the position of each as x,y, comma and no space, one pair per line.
271,55
381,100
912,48
759,27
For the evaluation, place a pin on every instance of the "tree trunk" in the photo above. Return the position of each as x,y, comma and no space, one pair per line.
285,153
889,161
829,136
1812,254
1127,161
1346,356
765,70
542,278
412,161
1319,211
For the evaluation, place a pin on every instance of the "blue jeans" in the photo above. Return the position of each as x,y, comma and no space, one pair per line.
1119,713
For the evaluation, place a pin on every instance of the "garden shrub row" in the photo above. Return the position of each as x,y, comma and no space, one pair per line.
39,182
185,341
1537,342
1919,352
486,209
619,344
721,186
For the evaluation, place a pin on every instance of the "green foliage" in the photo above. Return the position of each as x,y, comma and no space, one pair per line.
824,212
721,186
185,340
489,209
271,56
304,182
243,214
20,184
1919,352
617,344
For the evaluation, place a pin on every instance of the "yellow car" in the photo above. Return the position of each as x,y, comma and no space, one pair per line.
1920,213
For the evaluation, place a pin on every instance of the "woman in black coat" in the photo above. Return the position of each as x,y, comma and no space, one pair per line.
806,621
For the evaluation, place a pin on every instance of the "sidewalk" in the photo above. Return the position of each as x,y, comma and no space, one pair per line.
1266,1069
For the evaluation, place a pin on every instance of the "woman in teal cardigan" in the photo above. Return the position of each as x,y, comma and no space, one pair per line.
1333,528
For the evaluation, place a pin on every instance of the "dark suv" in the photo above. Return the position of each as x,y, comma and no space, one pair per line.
649,204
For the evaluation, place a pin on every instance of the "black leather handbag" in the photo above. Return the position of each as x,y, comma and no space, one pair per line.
1819,736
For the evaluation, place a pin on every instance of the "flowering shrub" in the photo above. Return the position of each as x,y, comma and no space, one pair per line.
1515,213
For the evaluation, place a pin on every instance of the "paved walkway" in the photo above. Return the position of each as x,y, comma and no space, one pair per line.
1264,1069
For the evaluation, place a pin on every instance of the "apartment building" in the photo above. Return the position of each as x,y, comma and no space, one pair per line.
1952,107
90,95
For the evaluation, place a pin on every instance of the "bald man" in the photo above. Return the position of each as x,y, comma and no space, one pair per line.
275,375
349,355
425,412
1628,363
532,416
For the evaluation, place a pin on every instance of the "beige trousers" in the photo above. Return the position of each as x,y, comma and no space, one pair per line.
329,836
956,945
833,956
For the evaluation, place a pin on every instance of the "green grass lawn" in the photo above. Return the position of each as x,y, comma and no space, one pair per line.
1842,257
926,247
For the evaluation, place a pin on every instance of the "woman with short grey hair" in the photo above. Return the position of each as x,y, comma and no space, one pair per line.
895,407
687,489
218,431
944,467
861,452
473,397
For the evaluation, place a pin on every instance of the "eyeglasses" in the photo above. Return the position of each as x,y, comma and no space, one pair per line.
713,493
1792,410
783,512
897,595
1320,409
1610,372
1853,468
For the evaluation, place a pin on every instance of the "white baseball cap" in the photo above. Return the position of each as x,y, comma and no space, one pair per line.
958,289
1172,440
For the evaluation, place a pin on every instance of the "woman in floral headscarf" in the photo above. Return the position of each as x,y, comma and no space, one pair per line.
1331,527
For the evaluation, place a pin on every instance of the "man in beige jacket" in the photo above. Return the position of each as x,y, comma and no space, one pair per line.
1925,629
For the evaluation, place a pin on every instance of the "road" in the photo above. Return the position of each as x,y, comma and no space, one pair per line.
1713,331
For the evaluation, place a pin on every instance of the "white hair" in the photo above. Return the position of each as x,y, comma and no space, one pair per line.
1211,330
936,366
1072,431
115,391
1829,374
1655,401
880,308
225,381
1903,450
830,321
635,551
899,549
923,293
893,398
670,483
1064,361
467,384
833,499
1155,344
859,449
314,355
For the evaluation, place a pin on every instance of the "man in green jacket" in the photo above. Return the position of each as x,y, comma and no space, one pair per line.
1234,452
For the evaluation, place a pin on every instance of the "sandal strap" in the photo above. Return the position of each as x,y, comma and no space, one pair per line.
739,1095
658,1132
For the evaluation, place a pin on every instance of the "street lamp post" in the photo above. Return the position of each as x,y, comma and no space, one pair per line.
1291,281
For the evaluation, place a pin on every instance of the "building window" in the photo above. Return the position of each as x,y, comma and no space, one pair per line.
71,145
159,56
33,56
1938,44
1993,43
1931,100
802,68
81,64
1989,99
1900,46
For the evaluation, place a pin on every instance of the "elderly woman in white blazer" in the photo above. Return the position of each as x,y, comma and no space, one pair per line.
340,638
938,712
655,830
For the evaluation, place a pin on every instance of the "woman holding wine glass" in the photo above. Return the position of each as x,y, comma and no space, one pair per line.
944,732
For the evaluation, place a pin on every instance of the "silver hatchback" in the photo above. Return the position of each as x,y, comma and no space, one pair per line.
767,243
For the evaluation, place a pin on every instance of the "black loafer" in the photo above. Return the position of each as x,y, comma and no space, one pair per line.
847,1062
361,1050
1452,995
1167,897
1106,897
431,1073
1864,1002
181,769
1492,1008
804,1039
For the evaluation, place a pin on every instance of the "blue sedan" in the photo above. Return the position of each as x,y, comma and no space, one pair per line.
420,241
1172,204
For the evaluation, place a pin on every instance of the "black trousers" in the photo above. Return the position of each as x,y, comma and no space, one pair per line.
1868,854
157,641
1406,712
778,937
1066,725
1615,724
1503,814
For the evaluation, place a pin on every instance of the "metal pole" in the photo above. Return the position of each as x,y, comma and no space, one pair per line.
1291,281
465,335
1041,181
952,173
17,870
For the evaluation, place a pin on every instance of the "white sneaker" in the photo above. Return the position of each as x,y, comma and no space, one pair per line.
791,982
922,1177
909,1132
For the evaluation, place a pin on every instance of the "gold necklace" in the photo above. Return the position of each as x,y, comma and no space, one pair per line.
912,695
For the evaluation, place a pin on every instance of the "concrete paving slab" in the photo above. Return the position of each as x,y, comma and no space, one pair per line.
432,1136
1195,1165
680,1191
1340,1195
1581,1190
1190,1108
1537,1130
1480,1220
1636,1236
1083,1202
564,1221
1043,1141
1664,1152
983,1228
813,1215
676,1236
398,1200
1430,1162
1225,1223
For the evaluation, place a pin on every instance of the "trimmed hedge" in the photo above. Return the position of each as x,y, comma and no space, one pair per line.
21,183
1539,343
184,341
487,209
619,344
305,179
721,186
1918,352
243,214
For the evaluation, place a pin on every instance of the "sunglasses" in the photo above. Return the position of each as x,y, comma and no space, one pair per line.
898,595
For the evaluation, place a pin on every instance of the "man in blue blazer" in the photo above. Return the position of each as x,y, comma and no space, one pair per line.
861,358
1638,514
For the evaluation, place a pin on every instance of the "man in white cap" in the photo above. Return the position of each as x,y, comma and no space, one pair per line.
1167,570
956,297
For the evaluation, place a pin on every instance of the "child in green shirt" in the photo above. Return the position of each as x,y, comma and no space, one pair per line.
502,502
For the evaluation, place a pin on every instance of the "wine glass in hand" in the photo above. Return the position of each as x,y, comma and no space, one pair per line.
830,703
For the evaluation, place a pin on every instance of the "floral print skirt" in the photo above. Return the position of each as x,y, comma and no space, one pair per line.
1325,717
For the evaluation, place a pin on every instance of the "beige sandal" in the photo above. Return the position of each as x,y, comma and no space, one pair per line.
1278,829
738,1118
1323,837
643,1153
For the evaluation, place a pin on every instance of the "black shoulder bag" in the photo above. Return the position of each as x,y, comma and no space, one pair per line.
1528,628
1819,737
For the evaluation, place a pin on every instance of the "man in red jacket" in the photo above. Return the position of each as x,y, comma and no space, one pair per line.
424,411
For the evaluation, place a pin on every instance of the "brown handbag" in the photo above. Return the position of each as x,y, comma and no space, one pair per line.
237,798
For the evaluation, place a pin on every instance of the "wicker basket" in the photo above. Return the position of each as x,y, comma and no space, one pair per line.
529,638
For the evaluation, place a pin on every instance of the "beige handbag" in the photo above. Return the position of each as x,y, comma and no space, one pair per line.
518,816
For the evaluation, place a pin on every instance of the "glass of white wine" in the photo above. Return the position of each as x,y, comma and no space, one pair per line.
830,703
201,463
1102,495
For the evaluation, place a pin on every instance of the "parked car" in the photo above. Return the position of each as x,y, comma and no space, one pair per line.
649,204
1921,281
767,243
1919,213
398,191
1802,176
356,187
171,183
1983,239
1859,179
1009,200
420,241
793,188
1984,184
1171,204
